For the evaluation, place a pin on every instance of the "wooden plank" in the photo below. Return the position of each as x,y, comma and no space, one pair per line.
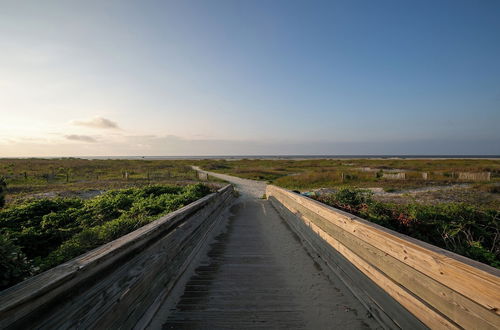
427,315
474,280
479,269
141,294
167,291
83,290
161,263
463,310
378,302
52,278
146,277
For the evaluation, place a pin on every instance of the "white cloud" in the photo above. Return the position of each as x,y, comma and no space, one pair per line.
82,138
96,122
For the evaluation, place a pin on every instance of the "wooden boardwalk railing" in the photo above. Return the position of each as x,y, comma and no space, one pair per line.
438,287
118,284
403,282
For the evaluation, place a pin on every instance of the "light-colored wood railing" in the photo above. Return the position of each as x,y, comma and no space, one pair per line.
118,284
441,289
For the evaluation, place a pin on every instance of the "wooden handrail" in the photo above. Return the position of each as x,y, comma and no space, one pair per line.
439,287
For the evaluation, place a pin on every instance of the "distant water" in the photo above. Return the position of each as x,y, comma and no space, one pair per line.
295,157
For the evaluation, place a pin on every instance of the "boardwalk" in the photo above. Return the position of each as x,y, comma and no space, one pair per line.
257,274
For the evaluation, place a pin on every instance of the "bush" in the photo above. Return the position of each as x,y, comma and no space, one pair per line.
3,191
353,196
14,266
24,224
50,232
216,166
106,207
461,228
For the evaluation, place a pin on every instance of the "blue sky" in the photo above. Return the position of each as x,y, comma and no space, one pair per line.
249,77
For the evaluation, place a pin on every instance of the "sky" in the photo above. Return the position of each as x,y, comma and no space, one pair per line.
271,77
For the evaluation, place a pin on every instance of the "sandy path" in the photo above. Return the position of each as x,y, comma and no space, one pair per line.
257,274
249,189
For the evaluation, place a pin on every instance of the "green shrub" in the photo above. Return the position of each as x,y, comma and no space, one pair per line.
14,266
142,211
3,191
353,196
31,213
458,227
24,224
106,207
50,232
160,190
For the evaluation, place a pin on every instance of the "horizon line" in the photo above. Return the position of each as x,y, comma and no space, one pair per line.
256,156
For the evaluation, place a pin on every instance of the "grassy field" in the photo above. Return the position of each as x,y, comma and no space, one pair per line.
73,177
424,179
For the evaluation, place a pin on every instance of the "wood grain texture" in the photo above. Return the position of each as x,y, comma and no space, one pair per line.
113,285
442,298
257,275
453,289
379,303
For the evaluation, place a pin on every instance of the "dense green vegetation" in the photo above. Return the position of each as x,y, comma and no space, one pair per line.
3,191
464,229
40,234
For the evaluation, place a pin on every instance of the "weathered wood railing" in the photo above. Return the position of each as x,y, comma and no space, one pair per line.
417,284
119,284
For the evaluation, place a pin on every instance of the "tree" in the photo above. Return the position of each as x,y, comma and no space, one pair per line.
14,266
